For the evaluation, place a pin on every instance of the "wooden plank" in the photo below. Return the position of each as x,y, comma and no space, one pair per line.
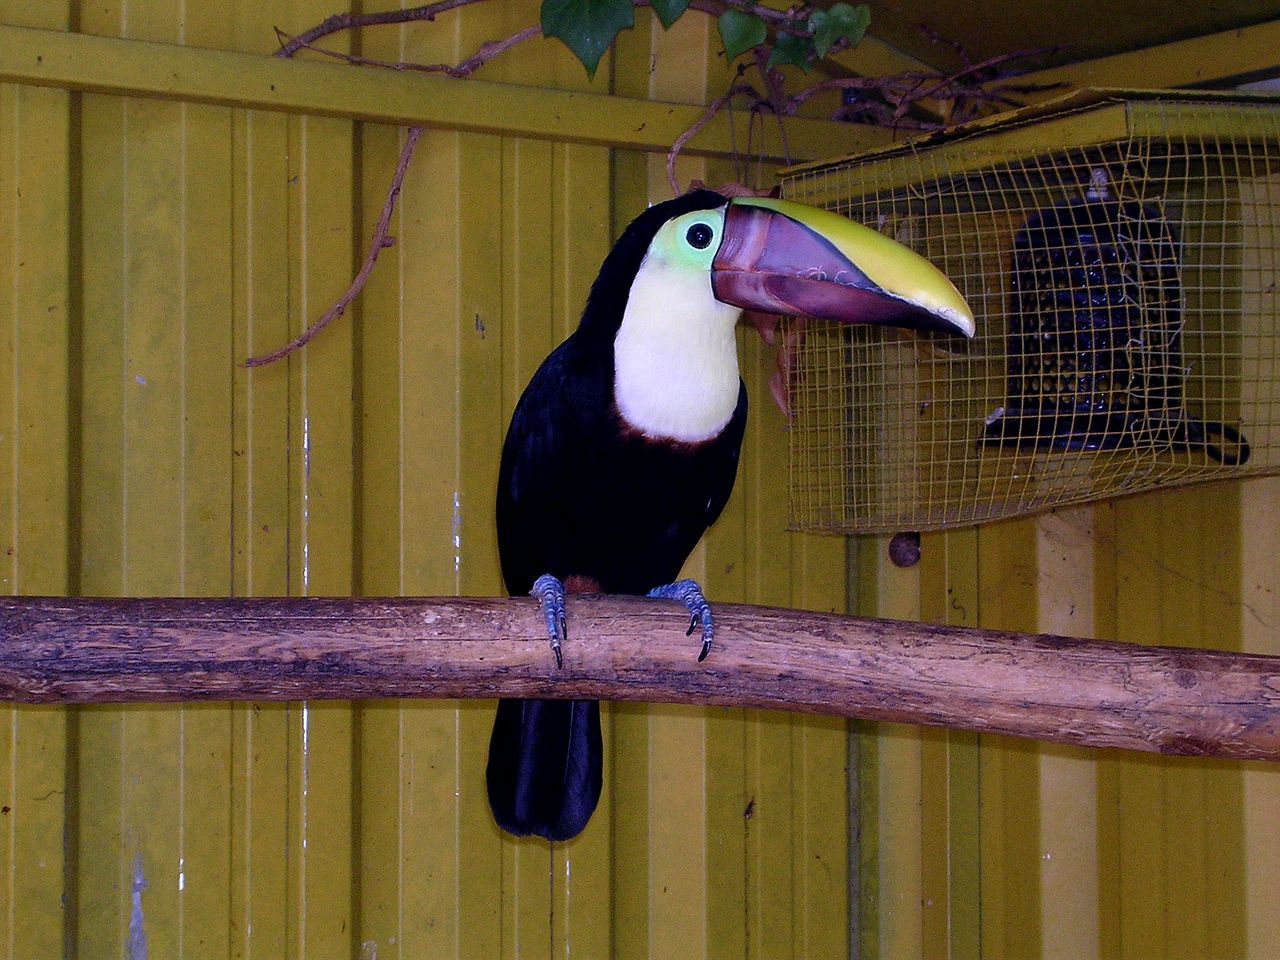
259,878
892,900
1010,788
409,514
390,871
934,846
1106,578
1179,828
1224,865
204,908
110,868
428,343
322,497
1142,879
138,68
261,522
964,766
483,410
173,880
36,340
204,903
1258,615
1183,847
679,883
408,753
1068,801
951,768
1203,61
819,580
821,745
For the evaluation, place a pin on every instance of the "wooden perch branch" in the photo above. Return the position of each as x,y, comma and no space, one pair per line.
1084,692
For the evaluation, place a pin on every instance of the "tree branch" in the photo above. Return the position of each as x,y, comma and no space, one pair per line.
465,68
492,49
339,22
1084,692
714,107
381,239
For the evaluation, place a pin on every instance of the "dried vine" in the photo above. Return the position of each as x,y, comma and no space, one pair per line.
381,240
800,36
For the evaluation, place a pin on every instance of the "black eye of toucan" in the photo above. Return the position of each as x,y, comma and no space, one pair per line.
699,236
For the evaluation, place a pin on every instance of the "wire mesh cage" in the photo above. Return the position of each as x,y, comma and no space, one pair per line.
1121,252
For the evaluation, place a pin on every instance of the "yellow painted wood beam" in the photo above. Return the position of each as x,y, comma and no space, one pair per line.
1200,61
136,68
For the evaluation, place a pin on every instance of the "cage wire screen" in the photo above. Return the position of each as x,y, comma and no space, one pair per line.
1121,253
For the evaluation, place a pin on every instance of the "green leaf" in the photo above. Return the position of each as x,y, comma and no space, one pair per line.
791,49
587,27
740,32
859,19
840,22
669,11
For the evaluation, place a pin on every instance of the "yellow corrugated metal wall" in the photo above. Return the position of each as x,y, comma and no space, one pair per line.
992,847
148,246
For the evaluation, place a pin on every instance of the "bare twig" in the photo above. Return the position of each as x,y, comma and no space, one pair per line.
883,115
376,246
914,85
783,21
955,80
707,115
465,68
492,49
877,84
773,81
353,21
931,33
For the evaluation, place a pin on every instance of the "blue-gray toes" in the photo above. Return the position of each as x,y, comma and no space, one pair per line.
550,594
690,594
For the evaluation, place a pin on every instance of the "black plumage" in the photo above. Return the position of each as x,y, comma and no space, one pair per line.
582,495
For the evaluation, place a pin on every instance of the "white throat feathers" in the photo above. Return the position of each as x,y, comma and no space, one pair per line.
675,355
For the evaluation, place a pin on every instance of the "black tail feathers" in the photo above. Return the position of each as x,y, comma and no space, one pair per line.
545,762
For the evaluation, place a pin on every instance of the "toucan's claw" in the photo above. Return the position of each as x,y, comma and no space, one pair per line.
690,594
550,594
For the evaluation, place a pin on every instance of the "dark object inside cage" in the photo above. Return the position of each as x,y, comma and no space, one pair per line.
1095,335
1122,256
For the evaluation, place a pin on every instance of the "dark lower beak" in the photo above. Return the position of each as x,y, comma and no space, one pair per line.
782,257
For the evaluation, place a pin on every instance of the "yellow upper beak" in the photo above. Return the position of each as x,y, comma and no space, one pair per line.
785,257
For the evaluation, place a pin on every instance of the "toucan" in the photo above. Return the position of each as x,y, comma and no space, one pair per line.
623,448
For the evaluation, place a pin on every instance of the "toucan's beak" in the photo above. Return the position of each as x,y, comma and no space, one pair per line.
777,256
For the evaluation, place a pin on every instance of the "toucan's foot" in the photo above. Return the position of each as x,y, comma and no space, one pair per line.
690,594
550,594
